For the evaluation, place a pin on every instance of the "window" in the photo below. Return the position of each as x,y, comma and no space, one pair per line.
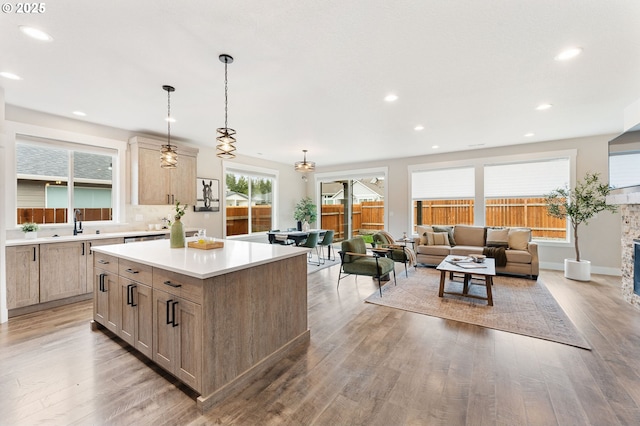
443,196
249,201
54,180
514,195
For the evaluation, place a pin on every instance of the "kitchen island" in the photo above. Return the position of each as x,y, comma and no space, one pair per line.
215,319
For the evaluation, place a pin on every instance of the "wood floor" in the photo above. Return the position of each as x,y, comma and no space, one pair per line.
366,364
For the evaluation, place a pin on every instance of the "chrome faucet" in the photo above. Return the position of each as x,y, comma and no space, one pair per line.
77,229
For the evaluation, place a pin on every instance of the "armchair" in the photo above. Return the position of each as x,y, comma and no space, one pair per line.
397,252
354,260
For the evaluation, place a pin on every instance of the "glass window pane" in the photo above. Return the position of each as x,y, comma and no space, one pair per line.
261,201
92,185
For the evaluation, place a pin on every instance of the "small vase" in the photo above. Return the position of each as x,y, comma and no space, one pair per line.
31,235
299,226
305,226
177,234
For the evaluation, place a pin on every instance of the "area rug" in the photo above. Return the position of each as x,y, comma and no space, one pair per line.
313,267
520,305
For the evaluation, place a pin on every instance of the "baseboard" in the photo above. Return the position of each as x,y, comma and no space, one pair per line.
601,270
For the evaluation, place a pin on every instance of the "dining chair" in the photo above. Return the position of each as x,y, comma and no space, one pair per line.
327,241
312,243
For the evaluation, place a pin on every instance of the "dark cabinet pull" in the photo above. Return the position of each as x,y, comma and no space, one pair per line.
83,249
131,271
168,199
103,262
129,294
101,287
172,284
173,313
90,252
34,254
168,318
131,290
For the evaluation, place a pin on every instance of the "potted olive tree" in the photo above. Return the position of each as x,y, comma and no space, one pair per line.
579,204
305,212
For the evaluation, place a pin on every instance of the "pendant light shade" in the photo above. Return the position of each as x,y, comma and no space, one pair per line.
226,136
168,152
305,166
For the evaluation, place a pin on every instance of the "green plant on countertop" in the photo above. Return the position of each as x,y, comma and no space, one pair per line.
29,227
305,210
180,211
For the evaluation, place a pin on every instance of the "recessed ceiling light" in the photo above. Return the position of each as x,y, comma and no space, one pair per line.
80,113
170,120
528,135
418,127
435,147
391,98
10,75
35,33
568,54
542,107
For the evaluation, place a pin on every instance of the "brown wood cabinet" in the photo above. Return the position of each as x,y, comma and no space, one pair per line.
136,327
107,307
63,269
23,275
90,256
153,185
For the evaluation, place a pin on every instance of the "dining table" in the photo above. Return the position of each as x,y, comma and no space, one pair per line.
298,237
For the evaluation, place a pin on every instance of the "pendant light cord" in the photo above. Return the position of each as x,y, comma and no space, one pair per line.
169,118
226,93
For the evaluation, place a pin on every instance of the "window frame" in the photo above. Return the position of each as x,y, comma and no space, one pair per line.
250,172
69,140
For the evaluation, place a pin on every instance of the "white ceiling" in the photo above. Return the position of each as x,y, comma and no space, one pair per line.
313,74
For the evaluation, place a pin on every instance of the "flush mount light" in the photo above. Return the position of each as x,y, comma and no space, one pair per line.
435,147
568,54
542,107
10,75
391,98
418,128
304,165
170,119
79,113
226,140
528,135
35,33
168,152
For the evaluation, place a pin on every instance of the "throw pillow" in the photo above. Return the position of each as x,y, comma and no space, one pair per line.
519,238
438,238
449,231
497,237
422,232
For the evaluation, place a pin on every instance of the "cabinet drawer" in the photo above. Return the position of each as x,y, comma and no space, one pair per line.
135,271
105,262
179,285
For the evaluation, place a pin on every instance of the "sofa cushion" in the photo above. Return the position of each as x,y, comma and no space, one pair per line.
519,238
422,233
434,250
497,237
468,235
518,256
466,250
447,229
437,238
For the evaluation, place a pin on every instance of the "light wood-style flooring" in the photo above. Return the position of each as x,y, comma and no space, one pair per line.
366,364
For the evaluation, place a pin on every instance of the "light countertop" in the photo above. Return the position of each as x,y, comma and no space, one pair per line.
87,237
202,264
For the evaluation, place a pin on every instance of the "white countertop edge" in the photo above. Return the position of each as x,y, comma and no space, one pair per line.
286,253
88,237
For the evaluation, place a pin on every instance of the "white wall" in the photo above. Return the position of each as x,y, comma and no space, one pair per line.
3,283
599,241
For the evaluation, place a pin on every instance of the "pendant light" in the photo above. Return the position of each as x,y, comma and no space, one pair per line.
304,165
168,152
226,141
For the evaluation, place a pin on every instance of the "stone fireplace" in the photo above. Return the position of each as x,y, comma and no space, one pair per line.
630,232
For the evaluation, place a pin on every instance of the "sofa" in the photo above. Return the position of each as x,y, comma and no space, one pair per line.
434,243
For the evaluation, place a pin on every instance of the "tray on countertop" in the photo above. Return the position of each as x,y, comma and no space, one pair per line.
206,245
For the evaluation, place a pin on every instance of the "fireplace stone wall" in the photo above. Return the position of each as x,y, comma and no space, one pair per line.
630,230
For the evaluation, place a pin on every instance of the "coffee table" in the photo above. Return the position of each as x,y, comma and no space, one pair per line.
485,270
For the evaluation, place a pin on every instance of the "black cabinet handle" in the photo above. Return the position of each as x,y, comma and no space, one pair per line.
173,313
34,254
172,284
131,290
83,249
129,294
168,318
168,199
90,252
103,262
131,271
101,287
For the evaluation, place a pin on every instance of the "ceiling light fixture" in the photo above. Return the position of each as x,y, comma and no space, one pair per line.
10,75
168,152
418,128
305,166
226,140
528,135
35,33
391,98
568,54
542,107
79,113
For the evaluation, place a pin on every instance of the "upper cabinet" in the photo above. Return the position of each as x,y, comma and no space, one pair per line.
151,184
